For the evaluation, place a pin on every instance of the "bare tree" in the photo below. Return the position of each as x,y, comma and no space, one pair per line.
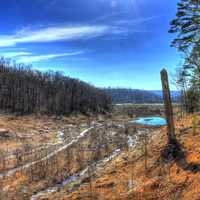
25,91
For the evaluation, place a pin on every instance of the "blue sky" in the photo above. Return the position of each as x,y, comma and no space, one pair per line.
114,43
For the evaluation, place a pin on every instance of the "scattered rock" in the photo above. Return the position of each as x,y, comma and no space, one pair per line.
5,134
58,118
125,158
106,185
155,185
2,131
112,172
185,130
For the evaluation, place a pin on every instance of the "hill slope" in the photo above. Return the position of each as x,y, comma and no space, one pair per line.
27,91
125,176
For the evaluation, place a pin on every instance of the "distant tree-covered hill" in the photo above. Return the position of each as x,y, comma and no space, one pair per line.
175,95
122,95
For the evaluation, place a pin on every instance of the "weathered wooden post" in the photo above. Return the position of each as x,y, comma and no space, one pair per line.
168,107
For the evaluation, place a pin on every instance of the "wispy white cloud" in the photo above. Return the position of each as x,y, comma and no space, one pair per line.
135,21
69,33
14,54
29,57
107,17
52,34
38,58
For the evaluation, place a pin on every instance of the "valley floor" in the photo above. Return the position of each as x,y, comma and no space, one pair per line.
125,177
132,171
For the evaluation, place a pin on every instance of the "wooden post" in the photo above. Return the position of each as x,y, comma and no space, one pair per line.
168,107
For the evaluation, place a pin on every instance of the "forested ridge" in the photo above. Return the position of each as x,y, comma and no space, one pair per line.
26,91
123,95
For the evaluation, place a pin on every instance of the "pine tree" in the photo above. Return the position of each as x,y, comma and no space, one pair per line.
187,27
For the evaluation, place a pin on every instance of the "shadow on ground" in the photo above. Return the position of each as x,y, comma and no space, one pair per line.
174,152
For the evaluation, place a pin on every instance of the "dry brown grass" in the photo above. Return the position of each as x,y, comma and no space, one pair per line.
168,181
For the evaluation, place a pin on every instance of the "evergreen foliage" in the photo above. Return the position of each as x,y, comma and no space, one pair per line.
187,29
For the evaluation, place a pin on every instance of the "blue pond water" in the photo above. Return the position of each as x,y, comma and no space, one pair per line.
150,121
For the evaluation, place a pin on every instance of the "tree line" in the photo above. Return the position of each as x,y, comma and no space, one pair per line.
186,26
25,91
